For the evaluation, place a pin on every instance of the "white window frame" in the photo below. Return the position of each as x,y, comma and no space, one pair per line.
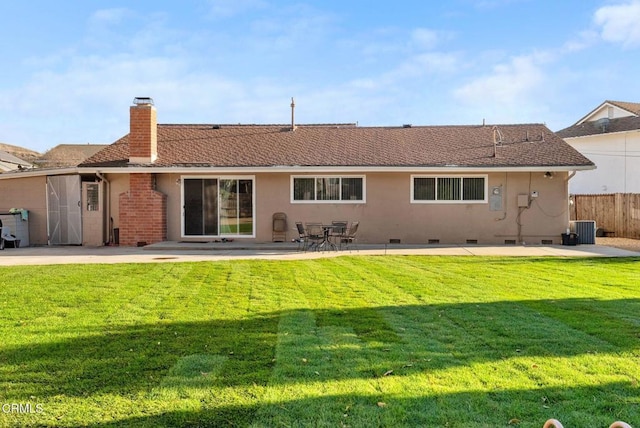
461,201
218,177
334,201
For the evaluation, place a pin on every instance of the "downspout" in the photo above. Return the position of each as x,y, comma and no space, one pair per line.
108,206
625,163
569,177
46,194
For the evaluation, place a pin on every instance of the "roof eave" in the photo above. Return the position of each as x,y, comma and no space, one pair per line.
291,169
600,134
337,169
605,103
38,172
586,116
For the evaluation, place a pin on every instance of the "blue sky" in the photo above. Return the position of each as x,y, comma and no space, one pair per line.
71,69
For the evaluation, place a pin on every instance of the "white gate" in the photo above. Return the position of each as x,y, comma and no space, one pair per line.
64,217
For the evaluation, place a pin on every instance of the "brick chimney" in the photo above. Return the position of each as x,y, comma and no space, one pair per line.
143,212
142,209
143,131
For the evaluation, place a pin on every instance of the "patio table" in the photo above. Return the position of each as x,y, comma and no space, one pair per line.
326,242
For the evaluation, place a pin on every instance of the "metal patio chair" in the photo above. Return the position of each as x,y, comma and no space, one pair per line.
338,231
350,237
315,234
303,239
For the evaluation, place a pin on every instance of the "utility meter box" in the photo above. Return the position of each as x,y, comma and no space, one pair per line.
495,199
523,201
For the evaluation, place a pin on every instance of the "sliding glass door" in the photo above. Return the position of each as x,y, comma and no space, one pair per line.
218,206
200,207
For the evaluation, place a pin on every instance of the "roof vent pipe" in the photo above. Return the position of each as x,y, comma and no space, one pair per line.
497,140
293,107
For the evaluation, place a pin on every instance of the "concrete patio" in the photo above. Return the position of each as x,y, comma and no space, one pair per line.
173,251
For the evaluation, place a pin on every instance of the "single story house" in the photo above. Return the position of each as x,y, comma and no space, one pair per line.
485,184
610,136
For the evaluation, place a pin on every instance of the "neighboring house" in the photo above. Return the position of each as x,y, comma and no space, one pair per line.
416,184
64,155
9,162
20,152
609,135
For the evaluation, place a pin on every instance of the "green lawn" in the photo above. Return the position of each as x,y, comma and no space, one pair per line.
348,341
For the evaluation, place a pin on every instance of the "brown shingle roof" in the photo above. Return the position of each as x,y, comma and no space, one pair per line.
68,155
420,146
20,152
9,162
584,129
630,107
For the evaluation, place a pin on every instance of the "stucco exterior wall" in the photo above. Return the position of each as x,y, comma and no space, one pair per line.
170,185
616,159
118,183
389,214
28,193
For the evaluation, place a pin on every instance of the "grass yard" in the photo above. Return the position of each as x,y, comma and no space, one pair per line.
348,341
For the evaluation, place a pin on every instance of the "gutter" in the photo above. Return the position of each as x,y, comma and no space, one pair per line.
600,134
300,169
108,206
296,169
37,172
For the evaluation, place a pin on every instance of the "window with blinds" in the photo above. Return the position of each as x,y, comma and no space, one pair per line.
328,189
448,189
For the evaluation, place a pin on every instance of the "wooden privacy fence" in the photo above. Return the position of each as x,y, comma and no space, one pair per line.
618,213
